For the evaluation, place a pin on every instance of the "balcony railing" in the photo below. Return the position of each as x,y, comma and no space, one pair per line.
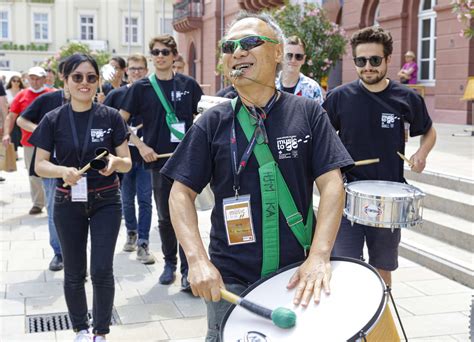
187,8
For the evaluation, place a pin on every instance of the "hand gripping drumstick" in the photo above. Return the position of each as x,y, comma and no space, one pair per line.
405,159
366,161
281,317
88,166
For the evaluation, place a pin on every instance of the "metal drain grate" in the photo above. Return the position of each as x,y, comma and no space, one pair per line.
58,321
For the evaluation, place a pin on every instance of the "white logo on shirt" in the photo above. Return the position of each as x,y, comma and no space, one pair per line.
288,146
98,135
388,120
178,95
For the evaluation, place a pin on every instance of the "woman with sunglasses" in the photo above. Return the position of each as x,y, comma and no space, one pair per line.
75,132
290,79
14,86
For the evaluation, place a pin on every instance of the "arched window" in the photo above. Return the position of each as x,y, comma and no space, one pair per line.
426,41
377,15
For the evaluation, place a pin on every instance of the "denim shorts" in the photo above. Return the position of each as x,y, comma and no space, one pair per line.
382,244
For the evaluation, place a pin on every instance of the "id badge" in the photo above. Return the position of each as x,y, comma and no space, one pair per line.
79,191
180,127
238,220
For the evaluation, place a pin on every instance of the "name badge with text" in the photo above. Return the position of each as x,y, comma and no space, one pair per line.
79,191
238,220
180,127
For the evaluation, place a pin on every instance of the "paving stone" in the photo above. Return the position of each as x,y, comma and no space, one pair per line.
199,339
34,290
402,290
17,236
147,312
438,286
442,325
3,266
46,305
161,292
130,297
192,307
39,337
462,337
4,245
19,264
16,277
435,304
12,307
146,332
185,328
11,325
26,245
433,339
36,253
413,274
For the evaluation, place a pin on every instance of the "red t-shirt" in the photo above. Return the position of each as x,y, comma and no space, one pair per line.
22,100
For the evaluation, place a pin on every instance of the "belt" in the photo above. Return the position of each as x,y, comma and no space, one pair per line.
115,185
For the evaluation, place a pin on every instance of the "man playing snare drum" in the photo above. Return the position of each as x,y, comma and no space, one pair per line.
373,115
250,236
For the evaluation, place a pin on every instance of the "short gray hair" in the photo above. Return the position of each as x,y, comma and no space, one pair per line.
265,17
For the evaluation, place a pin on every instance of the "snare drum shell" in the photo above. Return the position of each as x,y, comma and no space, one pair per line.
384,204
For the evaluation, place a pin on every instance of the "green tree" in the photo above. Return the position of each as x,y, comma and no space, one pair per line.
325,41
464,10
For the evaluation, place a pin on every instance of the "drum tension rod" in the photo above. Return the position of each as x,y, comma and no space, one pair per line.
389,291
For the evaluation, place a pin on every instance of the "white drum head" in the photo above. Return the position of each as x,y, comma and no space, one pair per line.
383,189
356,301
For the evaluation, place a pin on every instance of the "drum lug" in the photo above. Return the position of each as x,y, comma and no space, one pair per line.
362,336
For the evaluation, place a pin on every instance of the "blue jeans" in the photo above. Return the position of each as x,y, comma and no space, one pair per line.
101,214
49,185
137,182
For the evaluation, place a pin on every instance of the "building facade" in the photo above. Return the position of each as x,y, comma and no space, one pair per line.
427,27
32,30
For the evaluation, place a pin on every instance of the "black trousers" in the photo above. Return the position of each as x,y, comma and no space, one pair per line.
169,244
101,214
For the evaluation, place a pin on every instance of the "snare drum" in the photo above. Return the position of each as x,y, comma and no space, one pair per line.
384,204
356,308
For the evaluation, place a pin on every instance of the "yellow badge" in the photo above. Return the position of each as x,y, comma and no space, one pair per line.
238,220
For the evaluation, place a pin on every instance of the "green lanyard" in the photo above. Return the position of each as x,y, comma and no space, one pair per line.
171,117
275,193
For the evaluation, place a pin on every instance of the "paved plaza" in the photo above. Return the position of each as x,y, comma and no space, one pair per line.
433,308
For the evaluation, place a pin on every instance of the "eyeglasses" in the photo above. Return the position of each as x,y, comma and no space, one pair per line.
298,56
134,69
15,80
374,61
164,52
246,43
78,78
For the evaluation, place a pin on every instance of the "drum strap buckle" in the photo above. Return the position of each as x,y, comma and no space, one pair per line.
294,219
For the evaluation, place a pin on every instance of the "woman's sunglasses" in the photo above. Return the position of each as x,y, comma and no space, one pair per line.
164,52
298,56
16,80
246,43
374,61
78,78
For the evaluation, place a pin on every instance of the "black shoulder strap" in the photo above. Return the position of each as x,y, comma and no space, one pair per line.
380,101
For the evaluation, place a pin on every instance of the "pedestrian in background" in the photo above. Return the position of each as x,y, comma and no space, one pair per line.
90,202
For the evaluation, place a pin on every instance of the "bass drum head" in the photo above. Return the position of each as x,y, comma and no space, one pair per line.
355,304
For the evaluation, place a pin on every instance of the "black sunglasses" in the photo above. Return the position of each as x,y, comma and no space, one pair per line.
164,52
78,78
374,61
298,56
246,43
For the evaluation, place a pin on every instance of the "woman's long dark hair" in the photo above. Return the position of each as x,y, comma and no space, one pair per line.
73,61
9,84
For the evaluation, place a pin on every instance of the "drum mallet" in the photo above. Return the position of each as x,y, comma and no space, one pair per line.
366,161
405,159
88,166
281,317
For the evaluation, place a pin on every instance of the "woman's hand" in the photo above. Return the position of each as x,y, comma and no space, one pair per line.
111,165
71,176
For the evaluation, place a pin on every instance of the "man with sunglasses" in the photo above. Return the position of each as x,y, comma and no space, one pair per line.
290,79
252,230
373,116
167,102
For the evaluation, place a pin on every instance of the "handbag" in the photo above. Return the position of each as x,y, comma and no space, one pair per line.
7,158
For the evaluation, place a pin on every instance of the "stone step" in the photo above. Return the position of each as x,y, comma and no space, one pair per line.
443,181
447,201
450,261
447,228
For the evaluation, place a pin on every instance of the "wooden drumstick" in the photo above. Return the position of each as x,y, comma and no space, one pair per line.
138,126
366,161
164,155
88,166
281,317
405,159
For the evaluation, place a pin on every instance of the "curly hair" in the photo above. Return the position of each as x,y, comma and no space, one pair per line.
375,35
167,40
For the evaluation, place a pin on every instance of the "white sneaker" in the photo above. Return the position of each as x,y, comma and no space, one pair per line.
83,336
99,339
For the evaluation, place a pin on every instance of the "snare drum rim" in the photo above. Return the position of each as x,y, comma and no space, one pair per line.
418,194
365,329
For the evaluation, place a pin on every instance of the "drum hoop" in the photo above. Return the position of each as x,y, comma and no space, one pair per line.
365,329
383,224
418,194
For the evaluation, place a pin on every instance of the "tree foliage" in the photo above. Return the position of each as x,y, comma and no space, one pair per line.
325,41
464,10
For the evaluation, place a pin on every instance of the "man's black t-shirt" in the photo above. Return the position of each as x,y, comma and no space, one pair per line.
141,99
304,145
54,134
2,89
369,129
37,110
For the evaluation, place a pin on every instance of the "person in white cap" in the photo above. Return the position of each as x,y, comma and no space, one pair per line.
36,79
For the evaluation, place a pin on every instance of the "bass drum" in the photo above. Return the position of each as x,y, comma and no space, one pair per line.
356,309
